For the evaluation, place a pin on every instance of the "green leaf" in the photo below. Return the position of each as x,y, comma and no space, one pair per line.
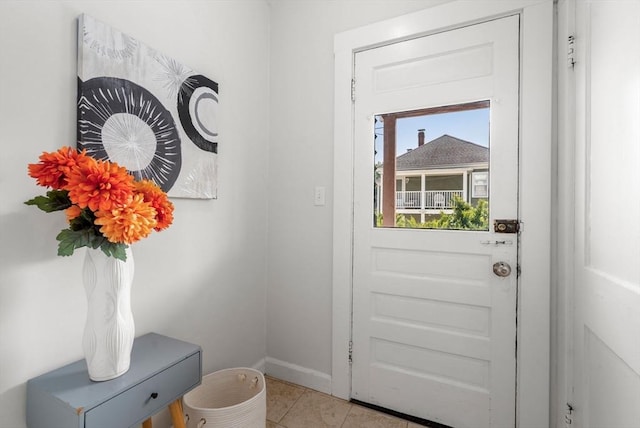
83,221
56,200
115,250
98,241
72,239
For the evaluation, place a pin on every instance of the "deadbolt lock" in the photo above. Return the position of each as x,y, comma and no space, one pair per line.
506,226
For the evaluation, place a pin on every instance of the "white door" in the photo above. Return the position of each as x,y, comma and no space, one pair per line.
434,329
606,349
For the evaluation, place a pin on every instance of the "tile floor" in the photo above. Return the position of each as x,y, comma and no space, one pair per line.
293,406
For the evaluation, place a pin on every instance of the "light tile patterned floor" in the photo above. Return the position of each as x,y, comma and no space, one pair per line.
293,406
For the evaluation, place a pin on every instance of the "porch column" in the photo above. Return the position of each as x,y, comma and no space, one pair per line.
423,196
465,192
389,171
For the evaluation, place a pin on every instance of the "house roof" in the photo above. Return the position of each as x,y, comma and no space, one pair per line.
444,151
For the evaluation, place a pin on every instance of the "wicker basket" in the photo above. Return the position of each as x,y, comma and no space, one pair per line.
228,399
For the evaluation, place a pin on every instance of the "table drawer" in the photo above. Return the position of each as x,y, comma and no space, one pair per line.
133,405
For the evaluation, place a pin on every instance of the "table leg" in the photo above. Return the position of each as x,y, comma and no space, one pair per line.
177,416
147,424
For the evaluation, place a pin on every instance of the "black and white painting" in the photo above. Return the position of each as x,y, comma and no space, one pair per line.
146,111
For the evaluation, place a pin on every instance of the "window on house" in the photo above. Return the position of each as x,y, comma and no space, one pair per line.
432,165
480,184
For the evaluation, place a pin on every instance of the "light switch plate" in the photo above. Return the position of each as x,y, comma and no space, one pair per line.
318,196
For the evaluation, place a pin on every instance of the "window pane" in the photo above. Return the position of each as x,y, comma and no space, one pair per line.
432,168
480,184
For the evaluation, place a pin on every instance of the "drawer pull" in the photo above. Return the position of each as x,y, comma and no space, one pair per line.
154,395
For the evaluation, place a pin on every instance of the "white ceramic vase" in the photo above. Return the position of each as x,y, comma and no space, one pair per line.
109,331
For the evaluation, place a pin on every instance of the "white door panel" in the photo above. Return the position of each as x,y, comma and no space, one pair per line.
606,360
434,328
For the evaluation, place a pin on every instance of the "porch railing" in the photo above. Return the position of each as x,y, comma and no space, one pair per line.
428,199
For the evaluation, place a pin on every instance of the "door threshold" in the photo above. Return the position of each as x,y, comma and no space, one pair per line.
414,419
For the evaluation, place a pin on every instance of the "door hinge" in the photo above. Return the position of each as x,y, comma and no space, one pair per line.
568,415
571,51
518,270
350,352
353,90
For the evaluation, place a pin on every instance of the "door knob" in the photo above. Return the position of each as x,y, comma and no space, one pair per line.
502,269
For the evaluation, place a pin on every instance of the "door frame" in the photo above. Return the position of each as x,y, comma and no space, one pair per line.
536,142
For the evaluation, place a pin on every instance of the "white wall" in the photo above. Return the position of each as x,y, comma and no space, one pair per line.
203,280
300,158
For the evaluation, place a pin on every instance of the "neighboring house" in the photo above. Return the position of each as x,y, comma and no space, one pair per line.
429,176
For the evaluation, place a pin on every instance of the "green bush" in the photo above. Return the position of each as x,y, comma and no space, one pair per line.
464,217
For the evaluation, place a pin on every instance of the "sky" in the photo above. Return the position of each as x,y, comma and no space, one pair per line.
469,125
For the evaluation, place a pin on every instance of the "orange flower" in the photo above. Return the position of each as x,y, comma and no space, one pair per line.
124,210
54,167
72,212
158,200
99,185
129,223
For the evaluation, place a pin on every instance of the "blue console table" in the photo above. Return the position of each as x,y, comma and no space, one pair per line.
162,370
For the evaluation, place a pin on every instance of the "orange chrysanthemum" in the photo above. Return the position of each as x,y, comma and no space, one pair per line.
125,210
99,185
158,200
54,167
72,212
129,223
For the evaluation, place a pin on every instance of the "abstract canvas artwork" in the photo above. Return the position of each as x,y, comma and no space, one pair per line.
146,111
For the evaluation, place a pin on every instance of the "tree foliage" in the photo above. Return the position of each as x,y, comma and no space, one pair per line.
464,217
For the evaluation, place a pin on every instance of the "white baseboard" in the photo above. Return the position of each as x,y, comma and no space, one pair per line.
260,366
299,375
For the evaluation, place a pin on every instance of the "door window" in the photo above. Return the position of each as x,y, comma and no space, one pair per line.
432,168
